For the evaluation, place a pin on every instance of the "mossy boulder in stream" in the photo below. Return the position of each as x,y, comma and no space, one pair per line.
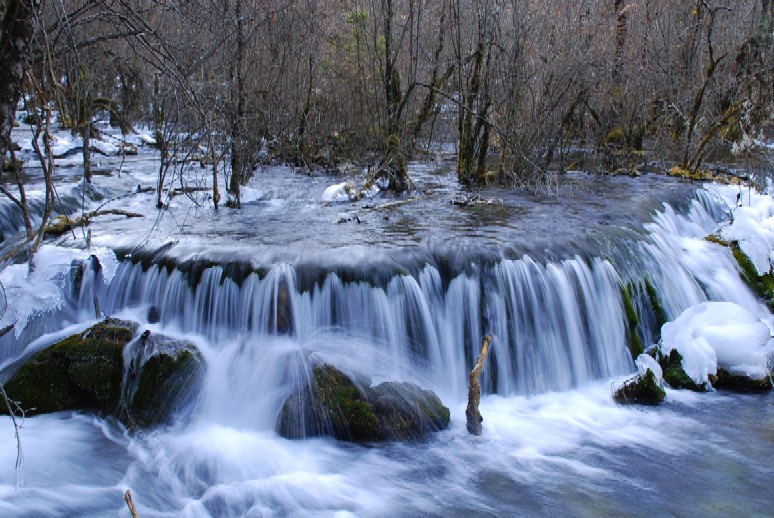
726,380
109,371
164,374
83,372
641,390
347,408
674,373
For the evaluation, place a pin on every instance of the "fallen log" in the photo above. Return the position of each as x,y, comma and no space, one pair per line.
62,224
474,390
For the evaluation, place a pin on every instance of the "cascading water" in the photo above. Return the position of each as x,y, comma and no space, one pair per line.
560,330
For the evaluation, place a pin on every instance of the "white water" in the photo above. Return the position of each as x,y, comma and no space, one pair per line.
554,442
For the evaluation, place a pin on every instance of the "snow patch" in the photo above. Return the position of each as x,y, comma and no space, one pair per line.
752,226
646,363
29,293
340,192
106,148
719,334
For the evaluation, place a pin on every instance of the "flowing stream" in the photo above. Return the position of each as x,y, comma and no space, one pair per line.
554,442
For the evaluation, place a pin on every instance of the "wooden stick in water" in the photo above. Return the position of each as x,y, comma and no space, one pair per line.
130,503
474,390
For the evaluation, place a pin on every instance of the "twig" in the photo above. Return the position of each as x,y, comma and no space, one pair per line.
16,427
130,503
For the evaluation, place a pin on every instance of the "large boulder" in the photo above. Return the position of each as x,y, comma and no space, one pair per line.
163,376
110,371
83,372
349,409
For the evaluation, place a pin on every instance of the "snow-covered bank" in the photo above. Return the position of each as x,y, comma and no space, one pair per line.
720,334
728,335
28,292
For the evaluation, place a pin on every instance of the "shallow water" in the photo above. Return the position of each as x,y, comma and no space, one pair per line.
572,453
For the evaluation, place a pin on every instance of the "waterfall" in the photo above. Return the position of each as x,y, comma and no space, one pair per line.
557,324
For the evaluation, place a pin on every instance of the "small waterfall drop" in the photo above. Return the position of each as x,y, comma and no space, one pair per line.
557,324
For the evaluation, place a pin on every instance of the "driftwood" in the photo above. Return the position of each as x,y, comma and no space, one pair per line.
130,503
474,390
62,224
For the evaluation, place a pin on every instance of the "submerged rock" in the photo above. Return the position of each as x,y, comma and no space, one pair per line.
86,372
336,405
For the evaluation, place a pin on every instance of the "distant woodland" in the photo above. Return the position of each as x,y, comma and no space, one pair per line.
510,87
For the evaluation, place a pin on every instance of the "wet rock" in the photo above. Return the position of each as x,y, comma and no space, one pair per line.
83,372
348,409
674,373
406,411
725,380
110,372
154,315
164,374
641,390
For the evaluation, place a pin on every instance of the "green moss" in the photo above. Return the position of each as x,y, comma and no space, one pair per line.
674,373
762,285
715,238
161,381
346,409
655,303
82,372
632,319
336,405
642,390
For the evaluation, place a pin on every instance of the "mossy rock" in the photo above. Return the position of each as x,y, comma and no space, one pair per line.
655,303
406,411
762,285
165,381
642,390
633,340
332,405
82,372
699,175
86,373
347,410
673,371
335,405
717,239
725,380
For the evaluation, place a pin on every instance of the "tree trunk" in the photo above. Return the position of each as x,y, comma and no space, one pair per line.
237,122
393,96
16,32
86,137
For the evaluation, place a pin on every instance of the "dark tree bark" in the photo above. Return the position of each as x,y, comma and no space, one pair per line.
16,32
238,151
